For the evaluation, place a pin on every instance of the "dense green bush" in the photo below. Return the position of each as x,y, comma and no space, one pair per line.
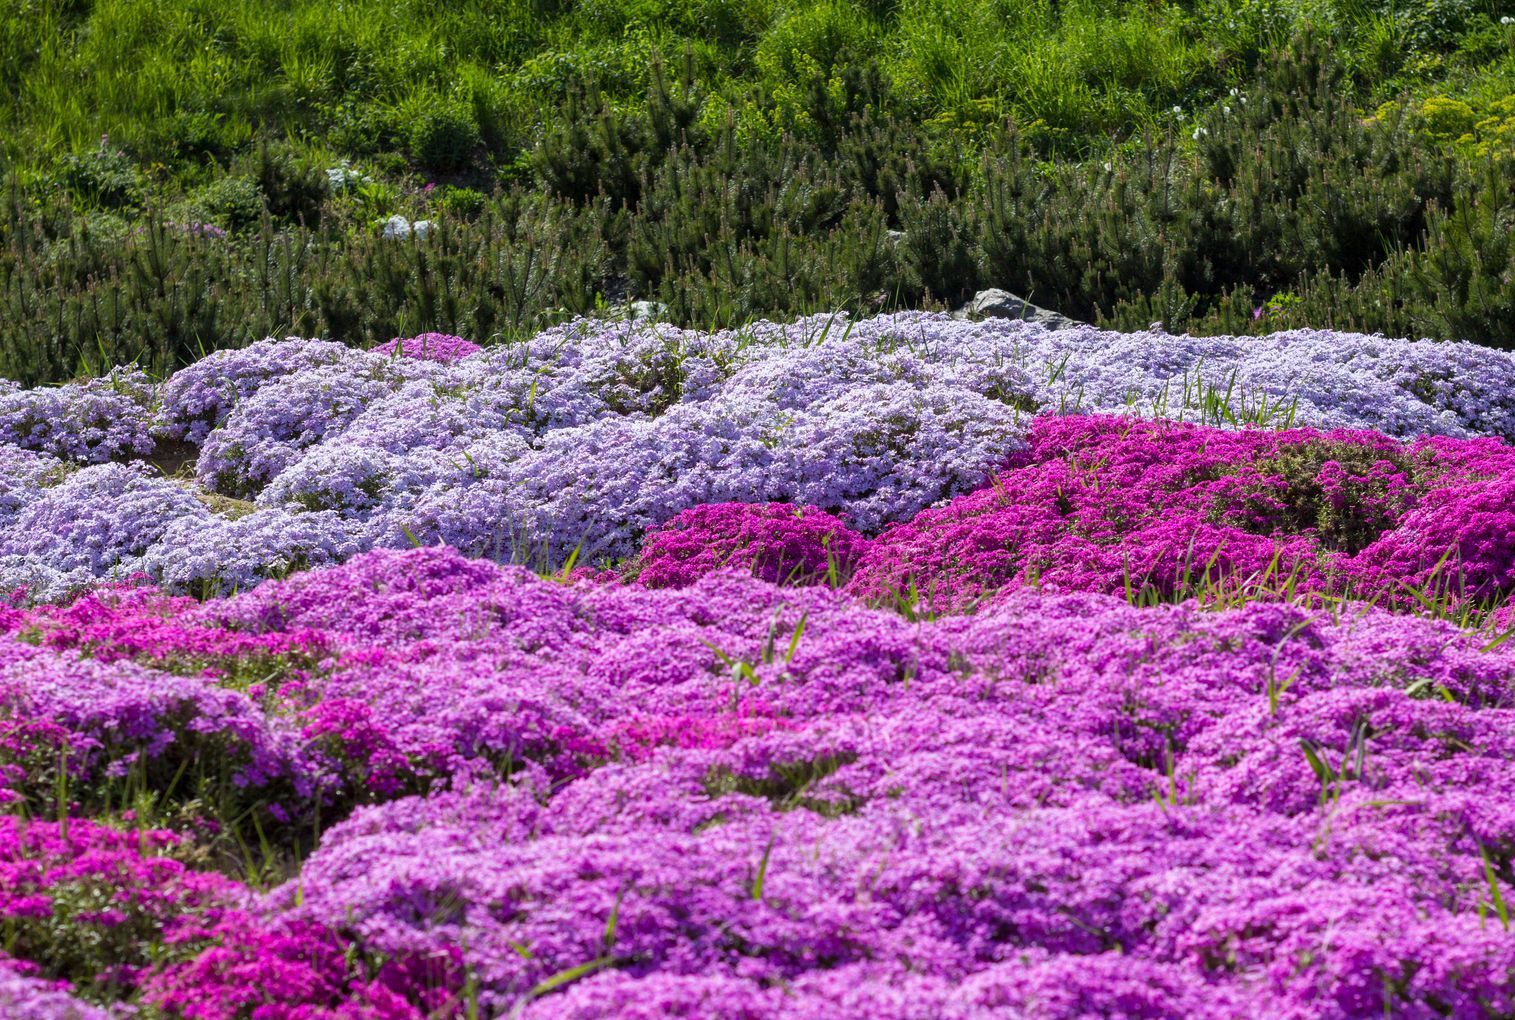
103,176
442,135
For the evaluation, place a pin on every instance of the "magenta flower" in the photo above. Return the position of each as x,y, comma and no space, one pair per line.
442,347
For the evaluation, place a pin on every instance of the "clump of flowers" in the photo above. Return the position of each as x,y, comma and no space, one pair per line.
197,398
97,520
90,422
442,347
799,792
300,971
89,904
1125,506
25,996
776,801
774,541
141,624
590,433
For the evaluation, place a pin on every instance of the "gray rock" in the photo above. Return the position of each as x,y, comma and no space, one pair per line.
647,309
1001,304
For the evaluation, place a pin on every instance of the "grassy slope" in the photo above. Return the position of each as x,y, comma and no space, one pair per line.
184,84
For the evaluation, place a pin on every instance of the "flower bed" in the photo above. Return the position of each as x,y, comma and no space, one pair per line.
576,443
879,687
754,800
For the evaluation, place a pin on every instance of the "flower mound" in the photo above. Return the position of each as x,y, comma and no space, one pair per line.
924,697
1112,505
84,903
777,542
443,347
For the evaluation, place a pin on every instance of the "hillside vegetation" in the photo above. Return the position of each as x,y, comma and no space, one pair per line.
186,176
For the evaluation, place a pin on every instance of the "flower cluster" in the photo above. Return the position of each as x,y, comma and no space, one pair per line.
25,996
299,971
904,708
197,399
1105,504
777,542
576,442
442,347
1061,804
93,524
84,902
1154,509
738,798
92,421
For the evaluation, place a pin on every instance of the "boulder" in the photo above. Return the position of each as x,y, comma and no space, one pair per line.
1001,304
647,309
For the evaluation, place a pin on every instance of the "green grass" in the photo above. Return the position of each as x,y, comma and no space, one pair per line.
466,88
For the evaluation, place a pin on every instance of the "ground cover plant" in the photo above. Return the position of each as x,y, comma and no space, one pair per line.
904,666
753,800
294,453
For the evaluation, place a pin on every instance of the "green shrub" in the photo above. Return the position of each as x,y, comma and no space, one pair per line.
233,202
1279,204
460,201
104,176
1447,118
292,187
442,135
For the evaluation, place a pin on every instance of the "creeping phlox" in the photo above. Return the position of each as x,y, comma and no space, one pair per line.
901,668
744,799
1156,510
574,443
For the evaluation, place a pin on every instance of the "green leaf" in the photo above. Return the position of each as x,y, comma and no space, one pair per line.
1323,772
794,641
762,873
568,976
608,938
1495,893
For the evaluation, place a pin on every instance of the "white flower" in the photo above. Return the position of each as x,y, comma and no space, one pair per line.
1107,166
1178,109
341,177
1507,20
1226,110
1199,133
1234,93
